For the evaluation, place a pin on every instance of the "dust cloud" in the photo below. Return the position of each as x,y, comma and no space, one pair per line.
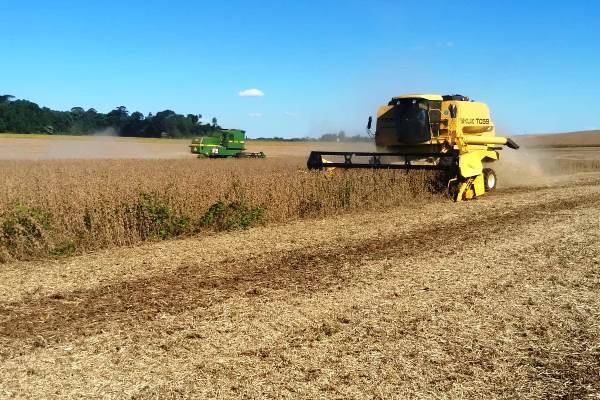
101,145
527,167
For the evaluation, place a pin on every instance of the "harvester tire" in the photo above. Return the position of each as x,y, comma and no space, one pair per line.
453,188
489,179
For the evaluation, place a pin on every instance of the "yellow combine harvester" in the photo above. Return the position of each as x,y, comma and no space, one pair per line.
430,132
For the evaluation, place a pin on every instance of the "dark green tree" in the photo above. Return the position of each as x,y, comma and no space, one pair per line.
5,98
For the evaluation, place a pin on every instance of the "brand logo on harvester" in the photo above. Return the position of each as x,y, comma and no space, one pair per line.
475,121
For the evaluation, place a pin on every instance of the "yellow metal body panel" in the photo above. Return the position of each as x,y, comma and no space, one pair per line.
382,110
471,164
472,117
478,185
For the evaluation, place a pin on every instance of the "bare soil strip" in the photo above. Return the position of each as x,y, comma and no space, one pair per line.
492,299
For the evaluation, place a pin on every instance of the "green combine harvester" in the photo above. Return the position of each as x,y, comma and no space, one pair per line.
227,144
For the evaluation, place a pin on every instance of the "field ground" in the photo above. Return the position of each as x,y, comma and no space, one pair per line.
494,298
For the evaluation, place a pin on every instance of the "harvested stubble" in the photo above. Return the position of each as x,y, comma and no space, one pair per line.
62,207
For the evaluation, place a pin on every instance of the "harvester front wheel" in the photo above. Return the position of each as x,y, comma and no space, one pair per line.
489,179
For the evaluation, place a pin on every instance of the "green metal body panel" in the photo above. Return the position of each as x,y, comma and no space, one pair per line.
227,143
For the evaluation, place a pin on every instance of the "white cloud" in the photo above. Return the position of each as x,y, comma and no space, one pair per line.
255,115
251,93
291,114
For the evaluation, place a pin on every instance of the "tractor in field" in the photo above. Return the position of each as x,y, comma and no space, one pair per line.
452,134
227,143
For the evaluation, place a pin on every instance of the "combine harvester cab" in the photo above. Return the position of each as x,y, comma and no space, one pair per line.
430,132
227,144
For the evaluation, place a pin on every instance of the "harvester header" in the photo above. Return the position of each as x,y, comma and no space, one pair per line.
449,133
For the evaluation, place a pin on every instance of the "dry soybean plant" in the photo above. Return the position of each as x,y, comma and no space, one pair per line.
64,207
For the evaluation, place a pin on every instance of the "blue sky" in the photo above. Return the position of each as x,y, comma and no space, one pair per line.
322,66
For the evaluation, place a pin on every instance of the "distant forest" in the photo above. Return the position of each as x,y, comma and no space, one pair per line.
23,116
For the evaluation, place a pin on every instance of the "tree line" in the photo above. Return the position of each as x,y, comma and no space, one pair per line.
24,116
